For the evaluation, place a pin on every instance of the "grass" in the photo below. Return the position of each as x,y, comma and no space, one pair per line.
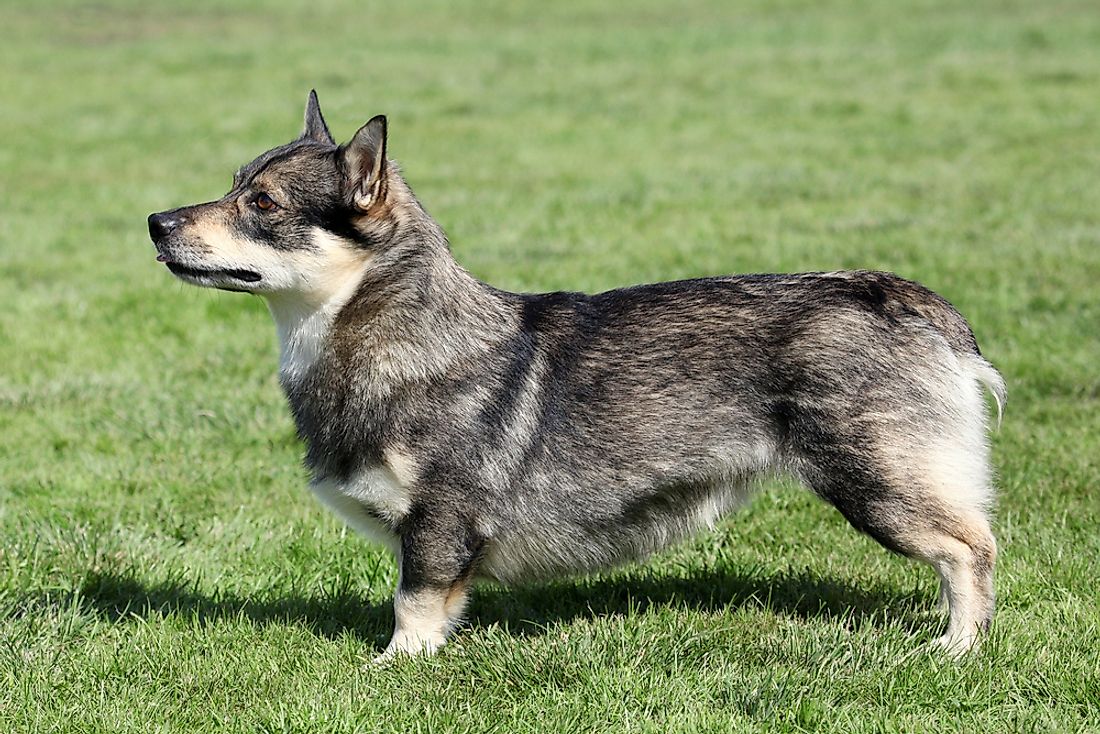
162,566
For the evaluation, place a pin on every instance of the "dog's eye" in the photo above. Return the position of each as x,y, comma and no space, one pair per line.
264,202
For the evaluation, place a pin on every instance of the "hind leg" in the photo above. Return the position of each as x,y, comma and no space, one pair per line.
942,525
948,484
962,550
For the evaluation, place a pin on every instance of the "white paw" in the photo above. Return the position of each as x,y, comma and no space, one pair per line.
410,643
958,644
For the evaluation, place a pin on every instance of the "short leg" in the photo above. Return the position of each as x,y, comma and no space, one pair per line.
925,523
960,547
436,567
424,618
964,559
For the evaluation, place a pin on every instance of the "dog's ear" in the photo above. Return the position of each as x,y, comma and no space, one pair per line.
364,162
315,128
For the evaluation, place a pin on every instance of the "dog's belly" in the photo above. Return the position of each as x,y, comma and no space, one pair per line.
562,544
552,532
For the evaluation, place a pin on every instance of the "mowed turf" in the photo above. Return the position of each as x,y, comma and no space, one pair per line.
163,566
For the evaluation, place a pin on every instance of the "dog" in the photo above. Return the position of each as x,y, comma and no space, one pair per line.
482,434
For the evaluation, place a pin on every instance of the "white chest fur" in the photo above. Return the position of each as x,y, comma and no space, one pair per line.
314,284
370,502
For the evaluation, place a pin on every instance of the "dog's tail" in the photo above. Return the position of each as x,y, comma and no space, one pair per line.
954,328
987,375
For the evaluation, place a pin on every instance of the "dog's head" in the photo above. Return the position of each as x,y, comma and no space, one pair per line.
295,219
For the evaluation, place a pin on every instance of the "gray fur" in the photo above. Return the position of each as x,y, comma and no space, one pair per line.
511,436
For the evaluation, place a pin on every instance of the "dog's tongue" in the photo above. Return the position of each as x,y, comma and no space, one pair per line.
162,259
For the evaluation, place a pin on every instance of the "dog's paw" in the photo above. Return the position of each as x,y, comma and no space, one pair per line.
410,644
957,645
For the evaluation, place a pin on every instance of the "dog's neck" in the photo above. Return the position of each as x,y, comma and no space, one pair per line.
303,323
403,314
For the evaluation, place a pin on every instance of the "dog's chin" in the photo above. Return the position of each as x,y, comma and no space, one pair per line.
229,279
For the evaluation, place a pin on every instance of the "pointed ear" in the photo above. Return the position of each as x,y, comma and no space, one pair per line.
364,159
315,128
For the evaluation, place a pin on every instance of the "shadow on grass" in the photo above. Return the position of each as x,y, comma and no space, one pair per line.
522,610
529,610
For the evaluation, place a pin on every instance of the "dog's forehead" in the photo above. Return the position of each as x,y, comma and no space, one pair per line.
293,157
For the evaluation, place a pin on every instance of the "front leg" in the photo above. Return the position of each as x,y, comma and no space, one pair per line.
437,562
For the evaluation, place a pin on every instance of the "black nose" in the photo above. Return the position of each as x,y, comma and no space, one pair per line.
162,224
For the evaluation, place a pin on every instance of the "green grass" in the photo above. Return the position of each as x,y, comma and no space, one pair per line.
162,565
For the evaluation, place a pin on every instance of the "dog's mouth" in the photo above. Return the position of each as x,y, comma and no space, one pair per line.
247,276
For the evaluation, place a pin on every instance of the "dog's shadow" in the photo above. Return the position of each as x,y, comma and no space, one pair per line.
527,610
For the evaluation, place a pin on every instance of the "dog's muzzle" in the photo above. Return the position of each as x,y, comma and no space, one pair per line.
163,223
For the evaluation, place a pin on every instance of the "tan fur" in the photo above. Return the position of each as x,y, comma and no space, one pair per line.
424,619
962,550
403,466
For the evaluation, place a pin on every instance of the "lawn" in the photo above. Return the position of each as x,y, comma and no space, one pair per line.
163,566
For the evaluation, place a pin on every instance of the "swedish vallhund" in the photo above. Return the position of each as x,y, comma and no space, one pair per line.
484,434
